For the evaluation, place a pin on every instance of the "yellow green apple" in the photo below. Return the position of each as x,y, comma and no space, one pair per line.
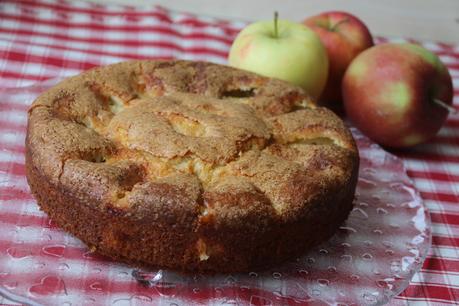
397,94
282,49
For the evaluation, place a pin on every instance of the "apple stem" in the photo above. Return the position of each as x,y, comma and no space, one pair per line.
276,17
333,28
449,108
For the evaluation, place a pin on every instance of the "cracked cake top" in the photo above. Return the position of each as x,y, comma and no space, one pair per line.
181,141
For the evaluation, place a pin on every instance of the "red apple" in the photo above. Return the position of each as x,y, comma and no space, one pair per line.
397,94
344,36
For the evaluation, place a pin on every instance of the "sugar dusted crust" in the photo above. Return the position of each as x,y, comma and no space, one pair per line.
189,165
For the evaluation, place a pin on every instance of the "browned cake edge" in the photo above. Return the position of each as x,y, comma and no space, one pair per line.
128,240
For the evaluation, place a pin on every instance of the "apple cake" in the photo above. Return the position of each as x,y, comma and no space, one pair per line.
191,166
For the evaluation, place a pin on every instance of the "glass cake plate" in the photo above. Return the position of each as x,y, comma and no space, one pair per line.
369,260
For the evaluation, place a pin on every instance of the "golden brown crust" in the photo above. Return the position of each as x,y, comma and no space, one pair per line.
189,165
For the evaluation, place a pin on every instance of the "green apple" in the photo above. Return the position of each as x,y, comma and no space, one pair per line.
285,50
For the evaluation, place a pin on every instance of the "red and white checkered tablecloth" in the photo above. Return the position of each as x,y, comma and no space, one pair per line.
46,39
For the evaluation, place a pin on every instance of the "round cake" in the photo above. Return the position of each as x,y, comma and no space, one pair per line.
191,166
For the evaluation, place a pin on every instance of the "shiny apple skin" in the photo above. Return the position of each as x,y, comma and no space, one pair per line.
389,93
295,55
344,37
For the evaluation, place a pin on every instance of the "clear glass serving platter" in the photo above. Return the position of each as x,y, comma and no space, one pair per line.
369,260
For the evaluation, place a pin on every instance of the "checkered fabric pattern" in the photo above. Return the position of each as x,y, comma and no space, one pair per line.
47,39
